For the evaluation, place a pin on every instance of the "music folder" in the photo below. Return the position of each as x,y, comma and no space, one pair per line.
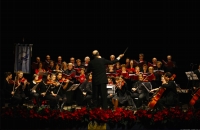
191,75
73,87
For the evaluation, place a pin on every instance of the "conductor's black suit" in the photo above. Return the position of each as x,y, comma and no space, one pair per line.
99,79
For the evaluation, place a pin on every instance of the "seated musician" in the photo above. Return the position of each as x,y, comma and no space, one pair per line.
8,90
45,88
86,91
170,66
40,70
170,95
33,89
122,95
131,68
60,90
141,90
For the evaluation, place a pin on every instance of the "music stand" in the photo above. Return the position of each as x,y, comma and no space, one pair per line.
73,87
191,75
111,89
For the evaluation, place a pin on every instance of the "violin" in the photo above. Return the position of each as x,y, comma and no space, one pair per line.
51,82
22,80
38,81
195,97
64,80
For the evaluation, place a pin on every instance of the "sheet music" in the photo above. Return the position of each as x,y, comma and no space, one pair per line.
111,89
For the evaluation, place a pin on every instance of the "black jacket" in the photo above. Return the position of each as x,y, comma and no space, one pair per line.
98,68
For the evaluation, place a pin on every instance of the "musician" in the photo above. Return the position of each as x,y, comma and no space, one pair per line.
60,90
8,91
170,66
122,95
170,95
34,92
86,90
85,63
40,70
140,91
45,90
46,63
99,80
19,87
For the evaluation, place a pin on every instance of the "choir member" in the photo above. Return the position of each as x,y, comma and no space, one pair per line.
35,64
131,68
170,66
46,63
40,70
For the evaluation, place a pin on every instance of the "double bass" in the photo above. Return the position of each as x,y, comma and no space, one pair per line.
195,97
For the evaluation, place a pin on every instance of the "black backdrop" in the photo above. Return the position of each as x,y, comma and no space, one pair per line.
75,28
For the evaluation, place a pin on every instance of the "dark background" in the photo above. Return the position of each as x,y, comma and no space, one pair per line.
75,28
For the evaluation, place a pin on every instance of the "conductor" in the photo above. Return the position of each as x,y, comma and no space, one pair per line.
99,78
